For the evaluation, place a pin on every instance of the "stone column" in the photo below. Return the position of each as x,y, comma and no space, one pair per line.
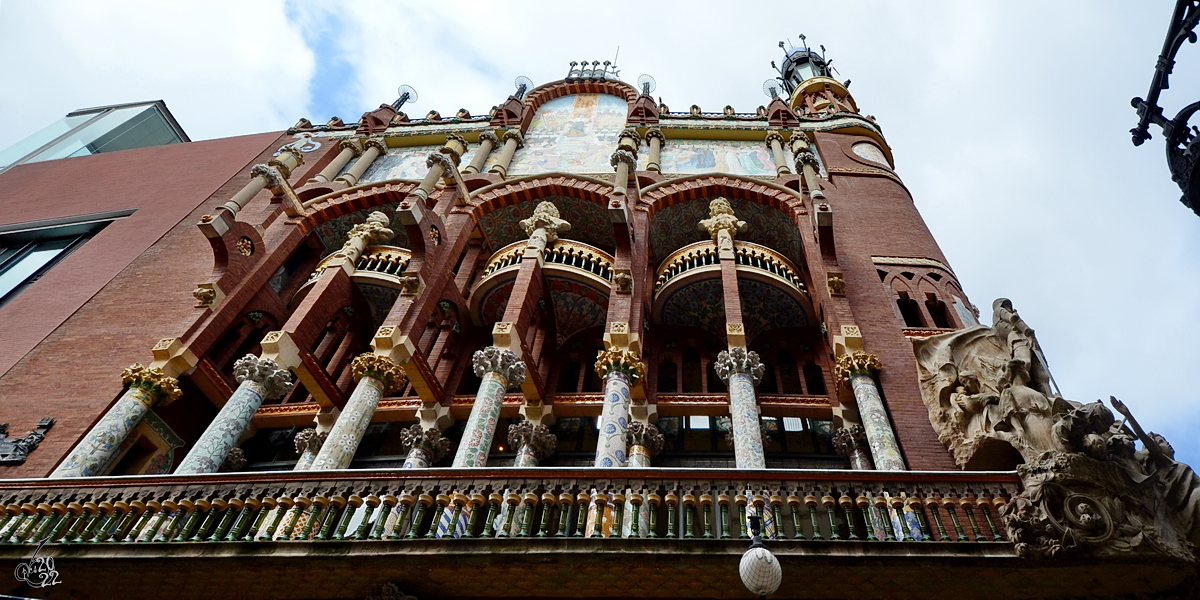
271,175
533,442
376,375
512,140
542,228
741,371
441,164
258,378
373,231
775,141
500,370
855,370
645,442
487,142
93,454
806,164
624,159
424,446
350,148
656,140
308,445
850,442
621,370
375,147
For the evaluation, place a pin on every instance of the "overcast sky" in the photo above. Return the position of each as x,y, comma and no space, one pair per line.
1008,120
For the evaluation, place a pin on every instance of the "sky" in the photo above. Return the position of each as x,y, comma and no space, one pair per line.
1009,122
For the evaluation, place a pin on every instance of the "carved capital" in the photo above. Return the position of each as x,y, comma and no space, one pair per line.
515,135
536,437
847,439
805,157
656,133
309,440
234,462
376,143
354,145
489,136
274,380
380,368
774,136
442,160
738,360
623,156
857,363
451,149
429,440
646,436
503,362
630,134
623,361
162,389
274,180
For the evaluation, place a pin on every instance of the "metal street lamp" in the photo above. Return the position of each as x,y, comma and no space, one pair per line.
760,570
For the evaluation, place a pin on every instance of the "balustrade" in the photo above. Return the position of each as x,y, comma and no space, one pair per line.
746,255
498,503
567,253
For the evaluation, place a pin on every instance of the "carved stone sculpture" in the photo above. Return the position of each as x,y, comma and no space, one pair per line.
722,224
544,225
527,437
495,360
429,441
234,462
274,380
738,360
309,440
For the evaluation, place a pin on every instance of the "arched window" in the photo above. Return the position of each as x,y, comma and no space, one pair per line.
937,311
909,310
814,379
789,374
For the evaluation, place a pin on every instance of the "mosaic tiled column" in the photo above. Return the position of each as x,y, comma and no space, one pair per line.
258,378
645,442
741,371
500,370
533,442
99,447
850,442
308,446
855,370
376,375
621,370
424,446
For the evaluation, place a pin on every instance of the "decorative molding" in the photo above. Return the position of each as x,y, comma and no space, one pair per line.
911,261
161,388
858,363
623,361
379,368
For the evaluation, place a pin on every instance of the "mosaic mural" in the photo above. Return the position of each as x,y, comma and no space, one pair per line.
677,225
737,157
491,309
576,307
573,134
381,300
766,307
333,232
398,163
589,222
700,304
870,152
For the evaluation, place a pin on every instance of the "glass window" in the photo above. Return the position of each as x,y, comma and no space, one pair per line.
119,129
27,253
23,263
51,132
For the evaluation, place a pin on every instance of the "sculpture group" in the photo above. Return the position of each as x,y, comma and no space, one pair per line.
1086,486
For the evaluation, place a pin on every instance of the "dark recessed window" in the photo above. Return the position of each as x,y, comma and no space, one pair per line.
29,250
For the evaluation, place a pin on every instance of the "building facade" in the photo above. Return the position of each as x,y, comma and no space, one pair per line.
570,348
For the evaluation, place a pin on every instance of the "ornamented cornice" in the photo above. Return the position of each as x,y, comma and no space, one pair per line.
162,389
645,435
515,134
379,368
274,180
274,380
536,437
738,360
847,439
503,362
309,440
622,155
489,135
430,440
623,361
858,363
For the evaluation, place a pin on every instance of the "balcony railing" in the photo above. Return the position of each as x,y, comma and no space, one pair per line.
746,255
568,253
388,261
416,504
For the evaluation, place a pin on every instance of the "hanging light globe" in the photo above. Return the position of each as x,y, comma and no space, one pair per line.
760,571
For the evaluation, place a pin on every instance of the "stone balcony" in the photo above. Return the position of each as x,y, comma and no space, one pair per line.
749,257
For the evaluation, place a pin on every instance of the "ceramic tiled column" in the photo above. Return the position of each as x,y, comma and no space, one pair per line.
308,446
851,444
856,370
376,375
258,379
621,370
424,446
741,371
533,442
645,442
96,451
500,370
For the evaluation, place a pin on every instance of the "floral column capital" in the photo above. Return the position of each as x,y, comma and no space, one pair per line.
503,362
429,440
490,136
847,439
857,363
535,436
738,360
623,361
646,436
380,368
159,387
264,371
309,440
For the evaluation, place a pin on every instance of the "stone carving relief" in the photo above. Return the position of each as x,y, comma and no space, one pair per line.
722,224
1087,489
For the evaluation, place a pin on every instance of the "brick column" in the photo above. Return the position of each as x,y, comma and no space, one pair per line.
376,376
621,370
95,452
741,371
257,379
499,369
856,370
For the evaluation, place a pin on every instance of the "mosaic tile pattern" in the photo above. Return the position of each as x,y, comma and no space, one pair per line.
223,433
572,134
399,163
698,305
676,226
576,307
589,222
884,448
347,432
481,425
747,437
736,157
614,421
380,299
870,152
766,307
491,308
94,453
